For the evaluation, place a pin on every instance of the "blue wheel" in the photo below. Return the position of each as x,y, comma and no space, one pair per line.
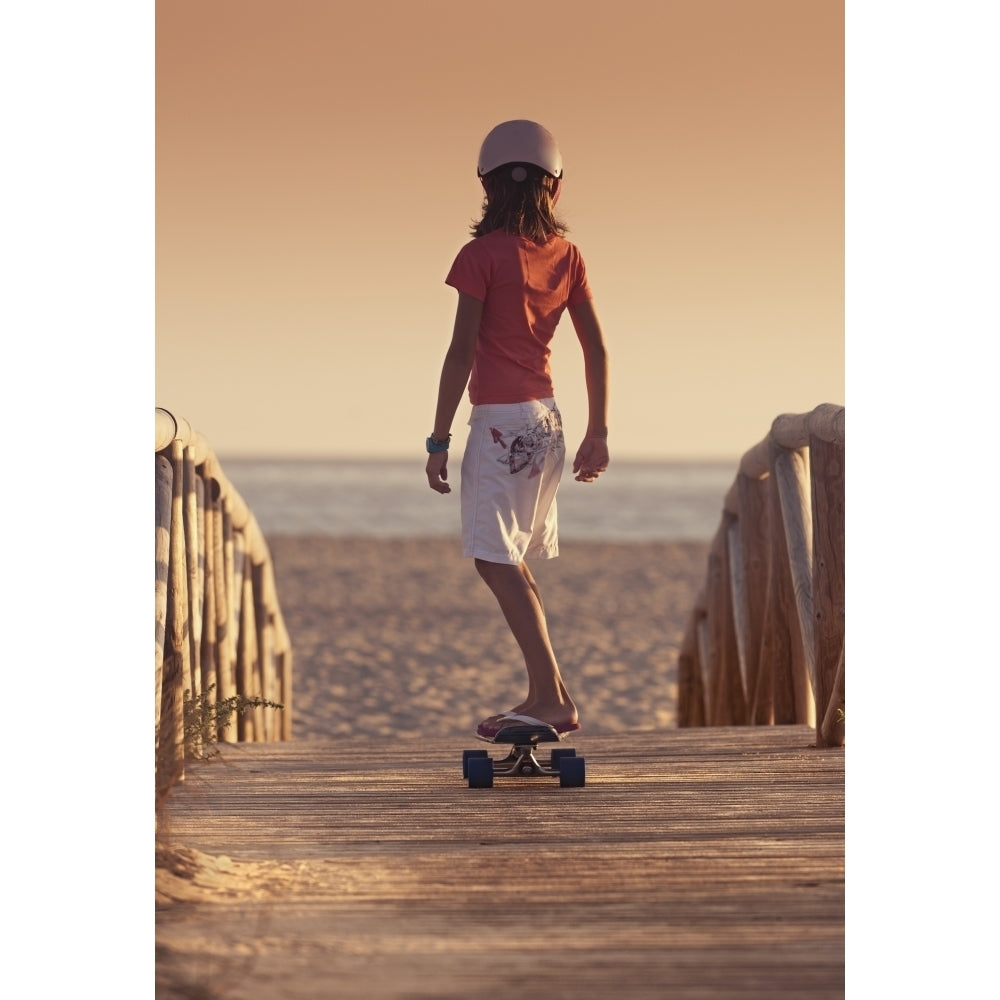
466,754
572,772
480,772
558,755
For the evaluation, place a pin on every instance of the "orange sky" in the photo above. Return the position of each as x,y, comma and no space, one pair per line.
316,176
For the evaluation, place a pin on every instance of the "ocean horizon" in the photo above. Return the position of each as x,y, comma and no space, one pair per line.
634,501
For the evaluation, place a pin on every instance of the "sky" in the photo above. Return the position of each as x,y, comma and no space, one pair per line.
315,177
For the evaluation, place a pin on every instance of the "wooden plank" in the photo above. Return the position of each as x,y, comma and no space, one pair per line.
696,863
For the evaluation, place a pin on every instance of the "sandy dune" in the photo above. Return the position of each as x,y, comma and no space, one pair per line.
402,637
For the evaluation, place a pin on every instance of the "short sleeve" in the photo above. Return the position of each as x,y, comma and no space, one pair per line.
579,285
469,273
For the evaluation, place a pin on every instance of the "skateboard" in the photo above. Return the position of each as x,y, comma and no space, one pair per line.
480,769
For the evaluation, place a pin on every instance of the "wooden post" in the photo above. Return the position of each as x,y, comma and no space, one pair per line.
209,671
224,646
762,702
704,640
715,688
737,596
726,637
791,473
251,722
727,704
193,515
831,732
284,667
175,664
782,635
826,445
690,690
164,494
277,676
237,562
752,493
265,644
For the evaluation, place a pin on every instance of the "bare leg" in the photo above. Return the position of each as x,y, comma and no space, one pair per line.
518,596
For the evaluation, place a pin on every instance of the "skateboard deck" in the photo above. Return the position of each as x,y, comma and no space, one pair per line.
523,759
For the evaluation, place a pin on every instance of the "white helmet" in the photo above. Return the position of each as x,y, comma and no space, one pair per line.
520,141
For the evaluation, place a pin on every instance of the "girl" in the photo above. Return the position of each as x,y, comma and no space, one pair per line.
514,280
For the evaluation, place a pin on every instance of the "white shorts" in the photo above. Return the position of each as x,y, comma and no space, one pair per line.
511,468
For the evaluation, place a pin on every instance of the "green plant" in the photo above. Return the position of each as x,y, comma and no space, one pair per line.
205,719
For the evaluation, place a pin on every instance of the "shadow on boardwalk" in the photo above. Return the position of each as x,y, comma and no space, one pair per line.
699,863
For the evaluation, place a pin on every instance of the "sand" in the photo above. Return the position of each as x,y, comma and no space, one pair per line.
402,637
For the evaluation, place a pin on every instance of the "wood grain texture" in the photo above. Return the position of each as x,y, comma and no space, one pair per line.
696,863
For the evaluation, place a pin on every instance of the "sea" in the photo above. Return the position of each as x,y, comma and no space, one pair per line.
632,502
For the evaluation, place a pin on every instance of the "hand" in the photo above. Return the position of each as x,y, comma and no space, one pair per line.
591,459
437,471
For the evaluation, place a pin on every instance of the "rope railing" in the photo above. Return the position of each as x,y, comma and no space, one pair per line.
765,640
220,633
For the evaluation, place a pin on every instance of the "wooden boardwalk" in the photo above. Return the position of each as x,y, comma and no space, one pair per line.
698,864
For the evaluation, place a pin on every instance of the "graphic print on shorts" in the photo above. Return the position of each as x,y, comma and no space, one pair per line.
530,447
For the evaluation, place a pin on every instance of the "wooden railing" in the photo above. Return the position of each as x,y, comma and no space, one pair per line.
765,641
219,629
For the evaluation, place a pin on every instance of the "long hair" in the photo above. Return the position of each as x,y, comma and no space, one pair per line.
520,207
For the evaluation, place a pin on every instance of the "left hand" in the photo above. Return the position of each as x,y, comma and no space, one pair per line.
591,459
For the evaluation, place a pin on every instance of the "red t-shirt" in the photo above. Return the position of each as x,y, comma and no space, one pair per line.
524,287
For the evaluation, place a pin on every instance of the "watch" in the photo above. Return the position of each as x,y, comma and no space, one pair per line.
436,446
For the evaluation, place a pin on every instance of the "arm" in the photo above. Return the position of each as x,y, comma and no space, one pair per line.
454,378
592,457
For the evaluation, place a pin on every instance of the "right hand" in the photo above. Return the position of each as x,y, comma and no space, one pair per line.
437,472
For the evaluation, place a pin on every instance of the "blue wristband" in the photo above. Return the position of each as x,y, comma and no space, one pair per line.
433,447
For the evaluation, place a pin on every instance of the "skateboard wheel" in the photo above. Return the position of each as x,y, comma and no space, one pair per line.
480,772
466,754
572,772
558,755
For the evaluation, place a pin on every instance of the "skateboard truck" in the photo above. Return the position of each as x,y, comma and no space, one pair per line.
480,769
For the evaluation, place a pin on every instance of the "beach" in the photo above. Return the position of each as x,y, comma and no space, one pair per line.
396,638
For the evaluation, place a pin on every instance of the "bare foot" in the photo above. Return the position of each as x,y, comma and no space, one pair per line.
562,716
